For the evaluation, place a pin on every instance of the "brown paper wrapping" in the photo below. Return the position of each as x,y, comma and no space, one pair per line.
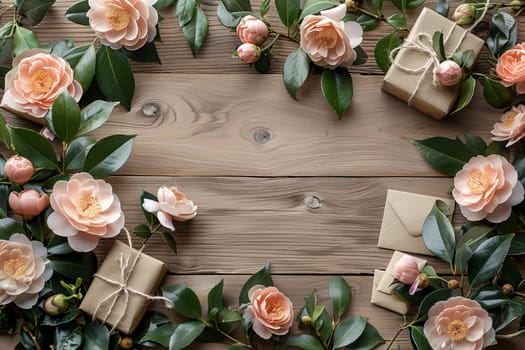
146,278
435,102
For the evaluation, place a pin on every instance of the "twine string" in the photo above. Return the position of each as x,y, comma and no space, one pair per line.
127,266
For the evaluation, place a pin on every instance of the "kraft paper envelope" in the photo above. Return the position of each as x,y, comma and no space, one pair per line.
387,285
403,220
391,302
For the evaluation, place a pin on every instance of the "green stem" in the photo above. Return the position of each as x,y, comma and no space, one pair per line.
401,329
229,337
371,14
267,47
284,35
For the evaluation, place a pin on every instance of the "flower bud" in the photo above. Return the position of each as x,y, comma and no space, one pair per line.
248,53
19,169
406,270
464,14
350,4
28,203
307,320
449,73
56,304
516,5
424,281
126,343
252,30
453,284
507,289
47,133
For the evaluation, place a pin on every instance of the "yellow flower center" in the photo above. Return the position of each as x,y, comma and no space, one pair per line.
88,206
327,38
457,330
478,182
14,268
274,309
41,82
118,18
509,119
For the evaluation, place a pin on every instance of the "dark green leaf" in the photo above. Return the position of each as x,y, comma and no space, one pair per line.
186,303
170,241
185,333
511,311
340,295
185,11
304,341
34,10
486,260
336,86
378,5
418,338
311,7
37,227
310,302
362,56
114,76
146,54
368,22
265,7
398,21
75,265
322,323
369,339
443,154
77,13
150,217
383,48
160,335
510,273
262,277
475,144
348,331
96,337
196,31
491,297
68,338
468,59
62,319
468,243
228,320
413,4
143,231
466,93
215,297
58,245
497,95
432,298
34,146
226,18
83,60
288,11
497,147
237,5
438,45
4,194
3,70
400,4
64,117
518,245
502,33
262,65
5,137
108,155
8,226
442,7
296,68
438,233
94,115
23,40
77,151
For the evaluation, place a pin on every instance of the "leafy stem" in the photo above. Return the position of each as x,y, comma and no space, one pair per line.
229,337
371,14
33,337
401,329
284,35
269,46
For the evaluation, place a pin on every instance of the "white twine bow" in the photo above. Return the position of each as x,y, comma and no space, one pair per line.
127,266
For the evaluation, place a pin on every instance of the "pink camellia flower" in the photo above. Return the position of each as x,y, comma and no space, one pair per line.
248,53
511,68
406,271
449,73
512,126
123,23
172,205
458,323
85,210
328,41
252,30
24,269
19,169
270,311
36,80
487,188
28,203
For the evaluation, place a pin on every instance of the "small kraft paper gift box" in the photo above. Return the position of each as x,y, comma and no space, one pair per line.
119,293
410,76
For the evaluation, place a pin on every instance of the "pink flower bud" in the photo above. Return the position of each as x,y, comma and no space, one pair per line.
248,53
464,14
56,304
406,270
19,169
449,73
252,30
28,203
47,133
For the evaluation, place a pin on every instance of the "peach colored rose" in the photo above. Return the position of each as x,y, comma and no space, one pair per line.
511,68
85,210
406,271
327,40
487,188
270,311
248,53
449,73
252,30
123,23
171,205
512,126
458,323
24,269
28,203
36,80
19,169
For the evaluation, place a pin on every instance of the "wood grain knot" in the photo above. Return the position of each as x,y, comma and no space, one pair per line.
262,135
312,202
151,110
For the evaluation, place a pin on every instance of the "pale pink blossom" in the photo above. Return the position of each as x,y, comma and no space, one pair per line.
123,23
458,324
28,203
35,81
252,30
270,311
406,271
85,210
19,170
328,41
24,269
248,53
512,126
449,73
171,204
487,188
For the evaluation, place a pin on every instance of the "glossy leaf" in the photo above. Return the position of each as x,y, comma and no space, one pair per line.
432,298
196,31
143,231
5,137
262,277
64,117
413,4
310,302
400,4
68,338
108,155
497,95
83,60
468,243
438,233
77,13
34,10
475,144
160,335
228,320
262,65
518,245
398,21
237,5
77,151
23,40
337,89
34,146
362,56
8,226
510,273
418,338
163,3
4,195
96,336
323,323
491,297
502,33
215,297
58,245
442,7
311,7
382,50
185,11
146,54
186,303
378,5
225,17
150,217
511,311
114,76
466,93
304,341
264,8
75,265
170,241
487,259
443,154
288,11
185,333
54,321
61,47
348,331
94,115
369,339
368,22
340,295
296,69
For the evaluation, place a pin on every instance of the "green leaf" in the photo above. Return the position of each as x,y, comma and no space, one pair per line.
34,146
369,339
262,277
340,295
262,65
310,302
442,7
348,331
34,10
438,233
438,45
143,231
315,6
64,117
466,93
160,335
196,31
443,154
378,5
77,13
497,95
8,226
108,155
185,333
37,228
170,241
468,243
398,21
295,72
228,320
304,341
362,56
215,297
4,195
491,297
413,4
58,245
400,4
518,245
432,298
368,22
288,11
54,321
23,40
74,265
418,338
96,337
502,33
185,11
322,323
83,60
94,115
5,137
475,144
150,217
77,151
383,48
336,86
146,54
487,259
225,17
114,76
237,5
511,311
186,303
68,338
264,8
468,59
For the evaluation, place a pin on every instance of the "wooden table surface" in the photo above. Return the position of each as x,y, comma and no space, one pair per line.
275,180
